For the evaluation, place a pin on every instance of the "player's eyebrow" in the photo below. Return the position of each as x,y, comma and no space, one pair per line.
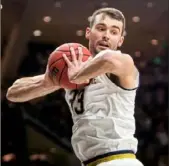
113,26
101,24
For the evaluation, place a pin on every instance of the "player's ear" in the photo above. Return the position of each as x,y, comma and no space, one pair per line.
121,41
87,35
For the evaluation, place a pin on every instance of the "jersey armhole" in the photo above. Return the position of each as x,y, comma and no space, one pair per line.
137,83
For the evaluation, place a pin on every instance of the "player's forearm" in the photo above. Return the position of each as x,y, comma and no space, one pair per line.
95,67
28,88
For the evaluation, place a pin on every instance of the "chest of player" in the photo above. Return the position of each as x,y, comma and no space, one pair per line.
91,99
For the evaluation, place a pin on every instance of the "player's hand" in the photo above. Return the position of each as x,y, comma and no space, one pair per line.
75,65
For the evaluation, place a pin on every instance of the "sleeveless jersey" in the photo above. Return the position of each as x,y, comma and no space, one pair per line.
103,117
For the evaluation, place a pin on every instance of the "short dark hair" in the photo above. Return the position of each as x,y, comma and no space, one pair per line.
111,12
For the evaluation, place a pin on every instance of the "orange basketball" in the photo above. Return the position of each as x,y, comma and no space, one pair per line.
58,67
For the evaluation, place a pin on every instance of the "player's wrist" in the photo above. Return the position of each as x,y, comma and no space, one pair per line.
47,81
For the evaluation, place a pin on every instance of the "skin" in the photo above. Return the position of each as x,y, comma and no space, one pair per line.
104,30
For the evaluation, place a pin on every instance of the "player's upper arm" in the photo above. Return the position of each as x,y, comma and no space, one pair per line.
120,64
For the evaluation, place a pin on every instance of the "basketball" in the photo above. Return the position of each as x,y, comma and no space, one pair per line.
58,67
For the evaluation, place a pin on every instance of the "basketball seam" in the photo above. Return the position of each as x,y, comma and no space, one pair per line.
69,47
56,61
75,50
68,78
61,74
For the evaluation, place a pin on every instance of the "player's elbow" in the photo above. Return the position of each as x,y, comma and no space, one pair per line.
12,99
8,94
11,96
15,99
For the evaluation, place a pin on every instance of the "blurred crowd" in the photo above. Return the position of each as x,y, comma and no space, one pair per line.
52,111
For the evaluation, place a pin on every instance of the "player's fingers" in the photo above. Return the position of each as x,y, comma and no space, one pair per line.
67,60
73,54
80,54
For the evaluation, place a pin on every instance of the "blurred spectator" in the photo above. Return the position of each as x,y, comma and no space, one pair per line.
13,135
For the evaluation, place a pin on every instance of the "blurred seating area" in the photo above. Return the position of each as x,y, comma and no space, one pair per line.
52,111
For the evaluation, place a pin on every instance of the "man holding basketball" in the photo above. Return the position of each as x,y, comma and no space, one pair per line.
103,111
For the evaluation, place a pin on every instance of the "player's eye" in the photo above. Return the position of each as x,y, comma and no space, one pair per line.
100,28
114,32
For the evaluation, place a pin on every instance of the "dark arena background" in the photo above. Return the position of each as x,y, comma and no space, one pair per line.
38,132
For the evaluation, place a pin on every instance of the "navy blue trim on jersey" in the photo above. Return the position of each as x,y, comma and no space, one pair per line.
127,89
107,154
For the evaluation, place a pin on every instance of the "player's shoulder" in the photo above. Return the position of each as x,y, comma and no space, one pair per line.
128,59
129,62
130,73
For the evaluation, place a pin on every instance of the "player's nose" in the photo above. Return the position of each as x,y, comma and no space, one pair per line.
106,36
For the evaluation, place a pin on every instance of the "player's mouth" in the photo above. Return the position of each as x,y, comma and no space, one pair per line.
103,45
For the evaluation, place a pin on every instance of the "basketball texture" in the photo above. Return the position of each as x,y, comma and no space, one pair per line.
58,67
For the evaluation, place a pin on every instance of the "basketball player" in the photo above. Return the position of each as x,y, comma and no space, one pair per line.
103,111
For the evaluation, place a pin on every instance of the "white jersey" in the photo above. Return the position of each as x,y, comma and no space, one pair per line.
103,116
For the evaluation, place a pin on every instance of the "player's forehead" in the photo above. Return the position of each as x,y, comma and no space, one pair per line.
103,19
